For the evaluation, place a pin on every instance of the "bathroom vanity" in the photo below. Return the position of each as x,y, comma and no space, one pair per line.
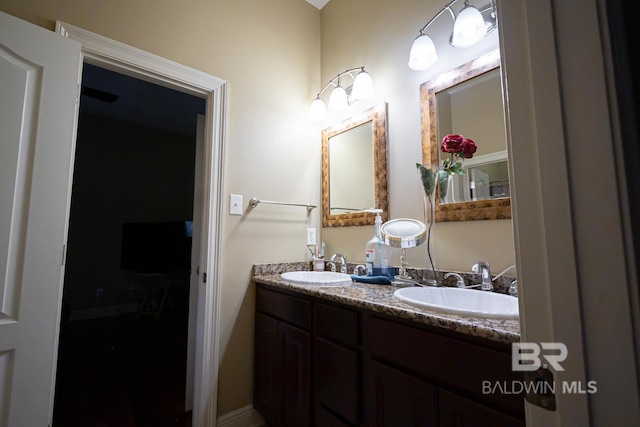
354,356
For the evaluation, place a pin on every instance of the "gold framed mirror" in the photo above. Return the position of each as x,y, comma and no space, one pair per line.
468,100
354,169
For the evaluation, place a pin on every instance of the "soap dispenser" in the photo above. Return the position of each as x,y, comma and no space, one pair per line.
378,254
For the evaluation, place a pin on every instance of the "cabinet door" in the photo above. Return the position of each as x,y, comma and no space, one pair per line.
326,419
437,357
456,411
397,399
336,379
295,358
265,383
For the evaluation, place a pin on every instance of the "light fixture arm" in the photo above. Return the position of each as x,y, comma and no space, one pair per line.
337,78
341,98
447,7
470,25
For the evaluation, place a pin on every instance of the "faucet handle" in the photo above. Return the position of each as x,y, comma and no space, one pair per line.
357,268
459,279
513,289
479,266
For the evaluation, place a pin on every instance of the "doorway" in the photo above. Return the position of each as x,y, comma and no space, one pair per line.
124,328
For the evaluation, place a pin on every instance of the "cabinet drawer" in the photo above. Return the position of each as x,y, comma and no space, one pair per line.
336,324
294,310
444,360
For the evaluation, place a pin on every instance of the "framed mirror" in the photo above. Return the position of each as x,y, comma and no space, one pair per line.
354,169
468,101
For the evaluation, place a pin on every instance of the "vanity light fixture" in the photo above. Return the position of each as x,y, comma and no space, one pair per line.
469,27
341,97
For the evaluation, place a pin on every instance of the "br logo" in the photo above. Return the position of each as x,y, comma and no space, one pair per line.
529,356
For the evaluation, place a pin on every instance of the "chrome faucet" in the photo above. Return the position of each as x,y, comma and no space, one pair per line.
482,268
358,268
459,279
513,289
342,260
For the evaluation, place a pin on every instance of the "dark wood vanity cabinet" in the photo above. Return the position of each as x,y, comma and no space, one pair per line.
418,377
394,398
336,366
323,364
457,411
282,357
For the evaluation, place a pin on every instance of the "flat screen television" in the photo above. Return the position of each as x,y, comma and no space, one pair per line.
156,247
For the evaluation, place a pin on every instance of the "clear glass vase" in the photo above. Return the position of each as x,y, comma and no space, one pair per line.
448,187
430,178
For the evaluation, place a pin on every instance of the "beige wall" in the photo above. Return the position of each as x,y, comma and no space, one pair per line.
269,52
379,36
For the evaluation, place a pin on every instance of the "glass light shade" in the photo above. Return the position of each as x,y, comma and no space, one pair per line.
362,86
423,53
338,99
318,111
469,27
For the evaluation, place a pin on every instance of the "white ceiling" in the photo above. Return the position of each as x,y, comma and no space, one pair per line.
318,3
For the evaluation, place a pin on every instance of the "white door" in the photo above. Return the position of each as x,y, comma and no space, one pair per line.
576,271
39,75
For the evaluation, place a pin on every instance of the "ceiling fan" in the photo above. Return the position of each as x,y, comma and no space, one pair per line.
98,94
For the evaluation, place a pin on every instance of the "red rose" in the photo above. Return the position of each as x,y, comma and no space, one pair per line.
452,143
468,148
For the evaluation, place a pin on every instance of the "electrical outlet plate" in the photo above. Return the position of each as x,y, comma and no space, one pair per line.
311,236
235,204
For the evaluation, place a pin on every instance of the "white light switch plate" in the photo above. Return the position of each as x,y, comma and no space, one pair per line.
235,204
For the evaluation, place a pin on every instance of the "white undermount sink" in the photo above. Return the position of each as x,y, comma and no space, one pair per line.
459,301
318,278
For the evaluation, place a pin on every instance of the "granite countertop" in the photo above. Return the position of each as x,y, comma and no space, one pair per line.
379,298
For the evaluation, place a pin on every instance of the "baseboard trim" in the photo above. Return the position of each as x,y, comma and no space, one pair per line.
243,417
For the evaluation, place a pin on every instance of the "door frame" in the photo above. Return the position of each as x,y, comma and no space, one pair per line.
575,263
119,57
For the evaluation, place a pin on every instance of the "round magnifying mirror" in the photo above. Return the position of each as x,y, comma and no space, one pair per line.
404,233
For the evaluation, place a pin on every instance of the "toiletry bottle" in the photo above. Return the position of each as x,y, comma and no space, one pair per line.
378,254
